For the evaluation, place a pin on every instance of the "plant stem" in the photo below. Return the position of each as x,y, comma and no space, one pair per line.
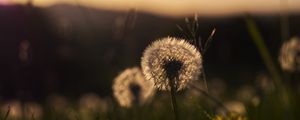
207,43
284,20
173,99
265,54
204,79
277,78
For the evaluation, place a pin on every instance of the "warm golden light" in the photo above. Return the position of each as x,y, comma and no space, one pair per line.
179,7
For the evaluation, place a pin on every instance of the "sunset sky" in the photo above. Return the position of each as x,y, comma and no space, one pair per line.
179,7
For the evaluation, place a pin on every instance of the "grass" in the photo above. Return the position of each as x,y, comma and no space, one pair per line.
264,52
283,94
189,107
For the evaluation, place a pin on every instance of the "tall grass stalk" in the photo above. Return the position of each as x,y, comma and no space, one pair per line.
192,33
274,71
206,46
264,52
284,20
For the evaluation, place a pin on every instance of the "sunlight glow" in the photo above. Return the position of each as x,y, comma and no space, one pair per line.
179,7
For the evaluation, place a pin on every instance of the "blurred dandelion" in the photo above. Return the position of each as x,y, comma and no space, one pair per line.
24,51
289,57
33,111
62,107
171,58
130,87
230,116
255,101
14,107
245,93
72,114
58,103
234,107
91,104
264,84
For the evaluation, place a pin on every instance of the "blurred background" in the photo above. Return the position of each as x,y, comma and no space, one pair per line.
75,47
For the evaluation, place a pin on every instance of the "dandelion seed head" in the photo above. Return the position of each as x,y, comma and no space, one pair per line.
236,106
91,102
255,101
289,57
230,116
171,58
58,103
245,93
33,110
264,83
14,107
233,107
131,87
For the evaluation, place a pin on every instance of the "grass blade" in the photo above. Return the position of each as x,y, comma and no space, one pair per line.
264,52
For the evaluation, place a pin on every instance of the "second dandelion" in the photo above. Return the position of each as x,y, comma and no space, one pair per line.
130,88
171,59
289,56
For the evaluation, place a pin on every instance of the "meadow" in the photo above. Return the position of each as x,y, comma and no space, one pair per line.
68,62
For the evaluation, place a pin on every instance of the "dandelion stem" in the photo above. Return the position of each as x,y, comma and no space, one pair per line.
173,99
219,103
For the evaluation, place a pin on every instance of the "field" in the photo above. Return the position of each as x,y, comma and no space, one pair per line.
74,62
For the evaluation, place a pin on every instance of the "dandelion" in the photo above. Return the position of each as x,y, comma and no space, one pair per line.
231,116
14,107
131,87
91,104
171,59
264,84
33,111
24,51
245,93
61,106
289,57
234,107
58,103
255,101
